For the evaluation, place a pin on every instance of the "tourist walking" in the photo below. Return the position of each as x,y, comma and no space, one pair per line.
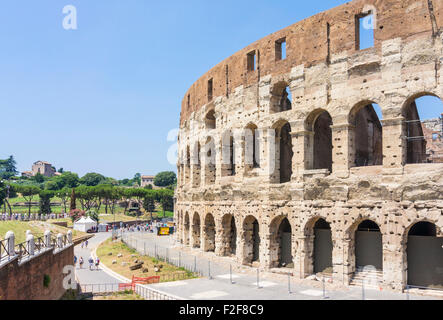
97,263
86,243
81,262
75,260
91,263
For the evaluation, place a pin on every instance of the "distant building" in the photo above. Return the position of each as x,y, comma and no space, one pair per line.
147,180
44,168
27,174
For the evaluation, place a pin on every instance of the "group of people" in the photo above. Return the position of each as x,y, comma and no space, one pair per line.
91,262
148,227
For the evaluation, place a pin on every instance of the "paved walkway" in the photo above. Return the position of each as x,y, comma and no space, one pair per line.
95,280
216,283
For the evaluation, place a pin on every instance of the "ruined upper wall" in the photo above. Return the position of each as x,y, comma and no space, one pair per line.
315,40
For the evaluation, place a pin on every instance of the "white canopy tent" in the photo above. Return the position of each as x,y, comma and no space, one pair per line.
84,224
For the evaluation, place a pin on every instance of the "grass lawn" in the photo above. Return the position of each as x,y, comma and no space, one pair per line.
124,295
117,247
37,228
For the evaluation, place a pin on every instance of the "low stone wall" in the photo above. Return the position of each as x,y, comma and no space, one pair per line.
61,224
25,280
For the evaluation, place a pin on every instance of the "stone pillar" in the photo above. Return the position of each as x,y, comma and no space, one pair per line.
394,145
70,237
265,247
47,238
299,258
60,240
30,244
348,266
343,149
10,238
303,148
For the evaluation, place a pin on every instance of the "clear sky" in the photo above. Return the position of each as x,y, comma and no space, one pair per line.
103,98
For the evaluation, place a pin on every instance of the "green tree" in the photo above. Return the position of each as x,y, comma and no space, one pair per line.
64,195
137,179
8,168
28,193
93,215
92,179
45,201
39,178
2,192
164,179
166,199
149,201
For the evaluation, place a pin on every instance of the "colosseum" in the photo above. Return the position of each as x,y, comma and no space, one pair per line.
286,165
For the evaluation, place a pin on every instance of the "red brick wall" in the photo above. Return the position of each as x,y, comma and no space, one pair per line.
25,282
307,43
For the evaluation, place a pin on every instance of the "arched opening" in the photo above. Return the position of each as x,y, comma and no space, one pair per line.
425,256
210,169
322,247
319,145
368,137
251,234
196,161
281,99
196,231
368,246
231,156
286,153
281,243
228,154
209,233
229,241
210,122
252,147
186,230
188,164
423,129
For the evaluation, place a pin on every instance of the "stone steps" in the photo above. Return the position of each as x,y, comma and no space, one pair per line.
371,279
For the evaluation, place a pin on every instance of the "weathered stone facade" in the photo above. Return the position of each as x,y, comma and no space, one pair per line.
237,207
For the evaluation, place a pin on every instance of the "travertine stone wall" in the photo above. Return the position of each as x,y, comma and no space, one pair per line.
324,72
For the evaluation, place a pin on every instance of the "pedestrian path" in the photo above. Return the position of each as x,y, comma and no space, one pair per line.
99,278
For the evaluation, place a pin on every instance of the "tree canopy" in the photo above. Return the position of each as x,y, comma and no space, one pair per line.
165,179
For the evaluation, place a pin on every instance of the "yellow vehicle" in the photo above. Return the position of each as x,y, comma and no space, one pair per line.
163,231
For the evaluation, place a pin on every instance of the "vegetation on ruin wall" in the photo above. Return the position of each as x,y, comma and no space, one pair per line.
109,251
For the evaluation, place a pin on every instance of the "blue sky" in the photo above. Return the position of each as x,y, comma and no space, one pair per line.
103,97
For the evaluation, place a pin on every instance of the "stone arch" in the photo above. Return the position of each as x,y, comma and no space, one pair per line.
228,153
196,231
367,135
186,229
209,233
368,245
251,240
319,141
281,97
281,247
423,260
318,246
350,240
419,138
229,236
284,151
209,157
210,121
252,147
